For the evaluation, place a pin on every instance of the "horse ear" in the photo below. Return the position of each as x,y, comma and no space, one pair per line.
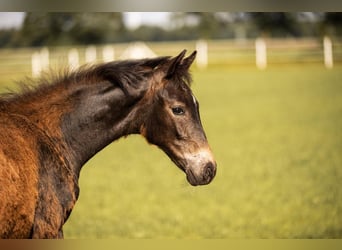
173,64
189,60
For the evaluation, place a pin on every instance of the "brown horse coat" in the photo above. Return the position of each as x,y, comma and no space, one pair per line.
19,177
32,203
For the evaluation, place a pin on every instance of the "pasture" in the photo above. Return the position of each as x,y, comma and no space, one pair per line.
277,138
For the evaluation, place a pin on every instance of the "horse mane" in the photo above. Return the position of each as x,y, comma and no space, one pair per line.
119,72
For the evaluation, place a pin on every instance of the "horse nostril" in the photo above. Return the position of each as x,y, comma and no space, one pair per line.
209,172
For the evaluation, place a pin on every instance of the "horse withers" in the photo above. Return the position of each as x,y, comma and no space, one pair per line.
49,132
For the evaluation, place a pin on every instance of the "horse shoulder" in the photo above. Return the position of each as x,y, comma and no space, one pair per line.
18,180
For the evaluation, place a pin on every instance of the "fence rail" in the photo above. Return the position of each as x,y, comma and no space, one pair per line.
261,52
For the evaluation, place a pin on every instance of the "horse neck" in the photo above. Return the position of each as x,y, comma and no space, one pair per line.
100,113
82,117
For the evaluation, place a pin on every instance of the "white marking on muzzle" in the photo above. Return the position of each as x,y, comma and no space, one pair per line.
198,160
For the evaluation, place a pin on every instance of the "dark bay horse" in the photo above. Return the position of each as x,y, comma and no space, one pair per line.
49,132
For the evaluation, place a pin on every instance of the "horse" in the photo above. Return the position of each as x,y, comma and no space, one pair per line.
51,128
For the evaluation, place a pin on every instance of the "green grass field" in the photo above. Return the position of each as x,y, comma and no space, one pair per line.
276,135
277,138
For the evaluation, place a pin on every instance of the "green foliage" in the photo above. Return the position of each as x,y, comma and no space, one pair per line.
332,23
67,28
275,23
70,28
6,37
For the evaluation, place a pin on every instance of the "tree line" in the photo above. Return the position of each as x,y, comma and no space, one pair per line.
50,29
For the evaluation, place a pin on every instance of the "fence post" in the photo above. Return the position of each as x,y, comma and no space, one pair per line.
260,53
73,59
44,57
36,64
90,54
39,61
328,52
202,54
108,53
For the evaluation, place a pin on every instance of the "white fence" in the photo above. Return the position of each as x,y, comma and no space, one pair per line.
260,53
40,59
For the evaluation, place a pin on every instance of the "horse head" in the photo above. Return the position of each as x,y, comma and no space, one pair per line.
172,121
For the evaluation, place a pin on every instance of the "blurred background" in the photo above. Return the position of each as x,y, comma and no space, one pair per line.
270,91
51,29
44,40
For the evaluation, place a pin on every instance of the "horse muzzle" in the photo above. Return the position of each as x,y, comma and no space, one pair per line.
202,177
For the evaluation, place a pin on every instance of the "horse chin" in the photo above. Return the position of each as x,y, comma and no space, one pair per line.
191,177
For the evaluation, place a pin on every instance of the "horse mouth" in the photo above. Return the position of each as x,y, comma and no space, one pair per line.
191,177
201,176
205,178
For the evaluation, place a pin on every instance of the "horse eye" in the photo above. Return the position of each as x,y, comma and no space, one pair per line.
178,111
